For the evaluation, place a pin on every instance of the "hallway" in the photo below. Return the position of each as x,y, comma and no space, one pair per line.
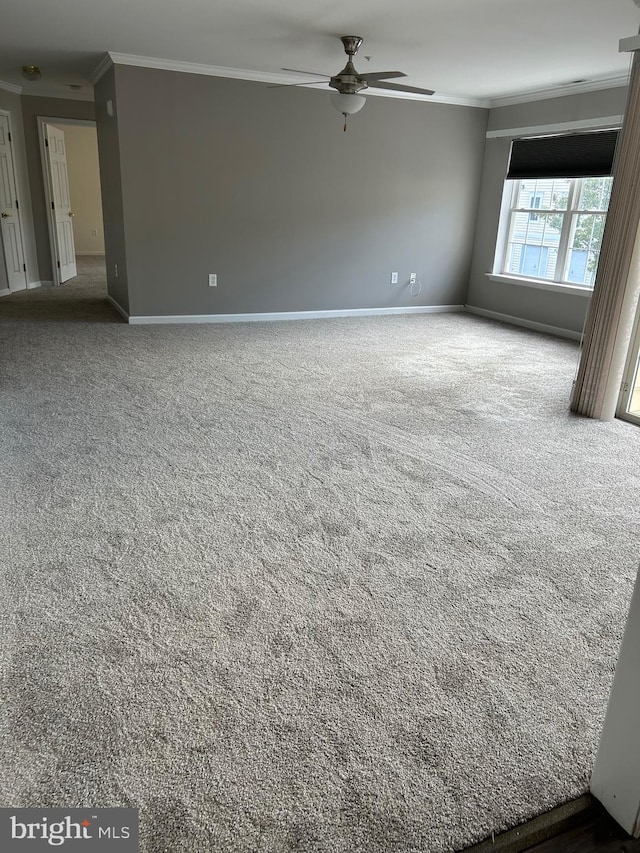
81,298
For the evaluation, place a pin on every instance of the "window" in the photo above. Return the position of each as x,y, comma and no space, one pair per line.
535,203
555,227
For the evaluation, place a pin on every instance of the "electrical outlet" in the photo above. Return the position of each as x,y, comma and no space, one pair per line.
94,233
115,270
413,277
394,278
213,279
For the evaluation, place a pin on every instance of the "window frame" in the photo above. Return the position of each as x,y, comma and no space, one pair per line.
570,215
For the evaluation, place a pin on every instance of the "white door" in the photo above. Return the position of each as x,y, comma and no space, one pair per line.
9,219
64,249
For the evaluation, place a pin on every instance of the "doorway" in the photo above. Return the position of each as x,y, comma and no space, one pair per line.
71,174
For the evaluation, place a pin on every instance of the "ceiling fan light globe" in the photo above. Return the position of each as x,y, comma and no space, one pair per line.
347,104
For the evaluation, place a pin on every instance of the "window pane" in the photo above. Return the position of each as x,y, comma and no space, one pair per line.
533,245
595,193
582,267
551,194
584,247
532,261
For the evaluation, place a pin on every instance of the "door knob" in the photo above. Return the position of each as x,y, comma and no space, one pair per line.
71,214
5,215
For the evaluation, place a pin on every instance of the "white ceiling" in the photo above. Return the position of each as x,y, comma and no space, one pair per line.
474,49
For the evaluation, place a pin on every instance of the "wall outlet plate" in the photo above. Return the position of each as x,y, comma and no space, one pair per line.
413,277
213,279
394,278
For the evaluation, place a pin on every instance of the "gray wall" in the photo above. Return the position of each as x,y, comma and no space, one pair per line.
12,103
111,189
565,311
262,187
81,145
32,107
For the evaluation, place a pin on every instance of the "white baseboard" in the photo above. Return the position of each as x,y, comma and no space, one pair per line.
527,324
82,254
291,315
31,285
119,308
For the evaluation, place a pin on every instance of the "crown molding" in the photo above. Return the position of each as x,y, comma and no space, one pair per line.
616,82
10,87
61,94
199,68
104,65
262,77
272,77
436,98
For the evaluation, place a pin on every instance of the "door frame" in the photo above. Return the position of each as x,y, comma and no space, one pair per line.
46,179
16,181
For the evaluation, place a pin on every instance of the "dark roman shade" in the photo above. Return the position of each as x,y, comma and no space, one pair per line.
575,155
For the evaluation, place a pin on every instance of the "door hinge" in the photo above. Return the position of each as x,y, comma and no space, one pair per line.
58,264
9,136
17,205
24,267
53,207
625,387
46,142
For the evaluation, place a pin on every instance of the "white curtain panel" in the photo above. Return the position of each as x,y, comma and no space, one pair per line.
615,294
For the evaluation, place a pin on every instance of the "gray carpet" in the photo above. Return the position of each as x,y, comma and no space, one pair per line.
343,586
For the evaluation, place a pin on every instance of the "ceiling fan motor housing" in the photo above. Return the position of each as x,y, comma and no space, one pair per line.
347,81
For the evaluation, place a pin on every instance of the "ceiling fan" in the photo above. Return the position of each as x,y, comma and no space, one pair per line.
348,83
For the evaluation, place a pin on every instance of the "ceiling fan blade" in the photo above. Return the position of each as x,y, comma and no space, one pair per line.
381,75
312,73
289,85
398,87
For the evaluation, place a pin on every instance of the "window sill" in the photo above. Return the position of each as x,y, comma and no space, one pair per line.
572,289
